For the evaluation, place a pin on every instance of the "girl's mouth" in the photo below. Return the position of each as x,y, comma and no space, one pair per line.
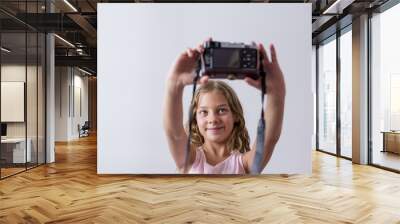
214,129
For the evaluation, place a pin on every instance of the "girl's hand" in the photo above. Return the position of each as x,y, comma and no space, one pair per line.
182,72
275,81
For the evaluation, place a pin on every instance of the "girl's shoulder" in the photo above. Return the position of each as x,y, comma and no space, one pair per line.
246,160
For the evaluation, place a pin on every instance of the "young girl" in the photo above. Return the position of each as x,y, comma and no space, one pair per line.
220,141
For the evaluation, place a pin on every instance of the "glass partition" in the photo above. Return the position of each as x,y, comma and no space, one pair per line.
327,96
41,87
34,55
22,77
13,109
32,95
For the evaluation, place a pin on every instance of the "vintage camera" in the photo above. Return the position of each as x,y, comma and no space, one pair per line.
225,60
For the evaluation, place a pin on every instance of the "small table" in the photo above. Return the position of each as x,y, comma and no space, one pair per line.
391,141
16,153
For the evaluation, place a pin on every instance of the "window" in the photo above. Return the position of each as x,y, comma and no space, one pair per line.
385,89
346,75
327,96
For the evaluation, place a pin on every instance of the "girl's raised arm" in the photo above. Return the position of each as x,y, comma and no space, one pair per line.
180,75
274,108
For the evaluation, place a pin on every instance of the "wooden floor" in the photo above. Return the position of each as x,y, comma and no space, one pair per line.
70,191
5,172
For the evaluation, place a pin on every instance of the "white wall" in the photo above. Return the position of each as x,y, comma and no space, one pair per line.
67,117
133,64
61,103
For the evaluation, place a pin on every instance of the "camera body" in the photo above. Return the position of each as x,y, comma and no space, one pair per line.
225,60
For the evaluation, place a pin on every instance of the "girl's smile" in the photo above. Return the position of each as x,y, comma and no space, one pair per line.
215,130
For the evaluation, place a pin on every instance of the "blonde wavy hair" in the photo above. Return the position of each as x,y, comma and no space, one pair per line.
239,138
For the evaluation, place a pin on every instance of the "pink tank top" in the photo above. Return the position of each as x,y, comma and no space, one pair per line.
231,165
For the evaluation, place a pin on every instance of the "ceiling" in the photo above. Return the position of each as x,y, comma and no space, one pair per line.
76,22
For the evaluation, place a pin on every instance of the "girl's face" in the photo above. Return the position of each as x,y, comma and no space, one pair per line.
214,117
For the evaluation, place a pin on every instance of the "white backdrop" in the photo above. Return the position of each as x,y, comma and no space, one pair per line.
137,43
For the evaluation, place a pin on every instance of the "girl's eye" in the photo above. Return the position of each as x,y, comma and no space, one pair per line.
222,110
202,112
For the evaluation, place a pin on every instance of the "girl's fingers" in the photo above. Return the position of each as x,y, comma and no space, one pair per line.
189,52
262,51
200,49
266,61
252,82
203,80
273,54
192,53
200,46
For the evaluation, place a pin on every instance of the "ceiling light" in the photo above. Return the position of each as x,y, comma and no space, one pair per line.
70,5
84,71
65,41
5,50
331,7
337,7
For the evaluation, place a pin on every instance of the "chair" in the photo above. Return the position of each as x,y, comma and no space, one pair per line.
84,130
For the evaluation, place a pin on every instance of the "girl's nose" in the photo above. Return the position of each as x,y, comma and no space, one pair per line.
212,118
213,121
